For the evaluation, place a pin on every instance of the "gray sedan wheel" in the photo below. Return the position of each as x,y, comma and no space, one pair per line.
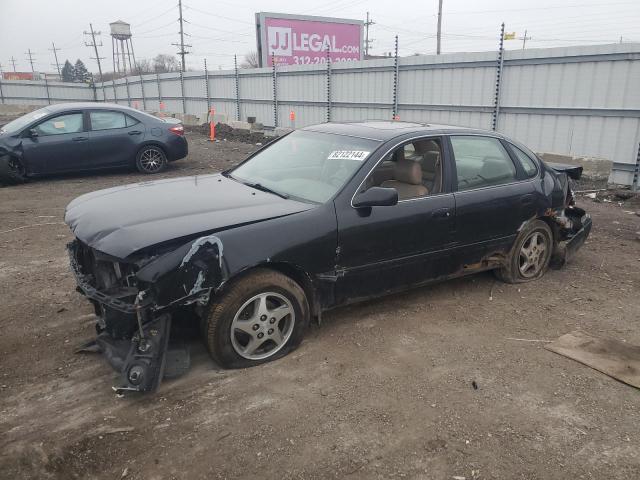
151,159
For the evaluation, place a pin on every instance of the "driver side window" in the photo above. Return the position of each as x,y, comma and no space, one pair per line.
68,123
414,169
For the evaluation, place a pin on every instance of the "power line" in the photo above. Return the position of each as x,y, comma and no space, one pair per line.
367,41
182,52
95,46
55,55
149,20
439,27
220,16
31,59
13,61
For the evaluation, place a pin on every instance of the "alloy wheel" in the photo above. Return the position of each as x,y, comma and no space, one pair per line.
533,255
151,160
262,326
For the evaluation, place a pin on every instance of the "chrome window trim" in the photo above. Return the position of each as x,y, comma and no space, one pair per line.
444,193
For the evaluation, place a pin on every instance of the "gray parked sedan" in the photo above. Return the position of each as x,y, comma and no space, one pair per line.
74,137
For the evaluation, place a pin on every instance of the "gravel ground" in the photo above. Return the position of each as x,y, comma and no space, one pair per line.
382,389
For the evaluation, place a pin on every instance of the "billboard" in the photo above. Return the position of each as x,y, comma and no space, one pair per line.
303,40
19,76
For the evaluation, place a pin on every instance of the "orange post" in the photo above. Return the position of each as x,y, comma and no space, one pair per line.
292,118
162,109
212,125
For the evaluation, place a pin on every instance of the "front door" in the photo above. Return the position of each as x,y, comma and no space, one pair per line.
389,248
60,144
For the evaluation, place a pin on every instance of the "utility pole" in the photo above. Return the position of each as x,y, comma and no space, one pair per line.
29,54
13,61
524,39
439,27
55,55
367,41
182,52
95,47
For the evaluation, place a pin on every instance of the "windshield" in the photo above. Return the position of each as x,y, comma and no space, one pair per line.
308,165
19,123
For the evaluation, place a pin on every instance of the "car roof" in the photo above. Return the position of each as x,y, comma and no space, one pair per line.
384,130
61,107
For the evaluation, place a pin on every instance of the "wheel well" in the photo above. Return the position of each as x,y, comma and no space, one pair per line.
297,274
151,144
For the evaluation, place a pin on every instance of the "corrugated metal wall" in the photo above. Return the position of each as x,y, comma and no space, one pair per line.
582,101
40,92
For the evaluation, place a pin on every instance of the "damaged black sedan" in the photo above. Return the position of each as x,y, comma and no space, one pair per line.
322,217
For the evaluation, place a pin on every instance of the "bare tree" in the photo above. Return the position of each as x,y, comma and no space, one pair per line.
165,63
251,60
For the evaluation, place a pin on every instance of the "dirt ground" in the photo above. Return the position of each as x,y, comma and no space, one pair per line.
382,389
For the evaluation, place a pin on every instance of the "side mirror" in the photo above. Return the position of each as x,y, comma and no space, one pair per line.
376,197
33,133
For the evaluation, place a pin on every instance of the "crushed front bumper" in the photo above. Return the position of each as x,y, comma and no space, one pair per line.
132,337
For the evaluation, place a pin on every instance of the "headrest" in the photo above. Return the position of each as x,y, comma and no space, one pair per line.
408,171
426,146
398,155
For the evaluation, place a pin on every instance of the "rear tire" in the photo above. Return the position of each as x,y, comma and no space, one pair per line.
261,317
151,159
530,255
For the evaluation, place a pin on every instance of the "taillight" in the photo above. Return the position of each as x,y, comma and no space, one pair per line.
178,130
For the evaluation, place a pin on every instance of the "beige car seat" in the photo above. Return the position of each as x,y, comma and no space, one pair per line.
430,161
407,180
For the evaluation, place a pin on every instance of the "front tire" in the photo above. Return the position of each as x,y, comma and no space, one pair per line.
261,317
151,159
530,256
16,173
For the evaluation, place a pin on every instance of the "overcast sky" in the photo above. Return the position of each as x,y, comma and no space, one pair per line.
220,28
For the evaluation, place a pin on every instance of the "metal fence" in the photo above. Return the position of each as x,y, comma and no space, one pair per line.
582,101
43,92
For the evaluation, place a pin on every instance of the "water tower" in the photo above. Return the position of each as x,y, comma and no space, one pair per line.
122,47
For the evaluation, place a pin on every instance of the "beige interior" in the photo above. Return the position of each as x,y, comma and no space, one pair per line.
407,180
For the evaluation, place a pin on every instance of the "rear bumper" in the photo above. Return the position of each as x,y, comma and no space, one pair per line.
566,249
574,243
177,148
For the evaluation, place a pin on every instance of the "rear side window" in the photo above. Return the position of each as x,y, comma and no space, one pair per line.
107,120
481,162
69,123
528,164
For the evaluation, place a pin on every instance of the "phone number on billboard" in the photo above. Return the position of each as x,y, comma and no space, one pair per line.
305,60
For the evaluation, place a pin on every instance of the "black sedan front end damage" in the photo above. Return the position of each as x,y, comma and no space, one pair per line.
135,302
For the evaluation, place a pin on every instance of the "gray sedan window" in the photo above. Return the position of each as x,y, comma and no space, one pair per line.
107,120
68,123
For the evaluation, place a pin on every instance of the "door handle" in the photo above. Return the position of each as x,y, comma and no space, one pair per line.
442,213
135,132
79,139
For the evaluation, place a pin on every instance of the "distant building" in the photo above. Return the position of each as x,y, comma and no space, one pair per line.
20,76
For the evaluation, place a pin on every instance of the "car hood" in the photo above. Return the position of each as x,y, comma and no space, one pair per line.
122,220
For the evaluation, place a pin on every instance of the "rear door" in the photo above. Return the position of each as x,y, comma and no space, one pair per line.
114,138
493,198
60,144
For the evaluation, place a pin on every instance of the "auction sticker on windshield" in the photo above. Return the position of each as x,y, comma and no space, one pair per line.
358,155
